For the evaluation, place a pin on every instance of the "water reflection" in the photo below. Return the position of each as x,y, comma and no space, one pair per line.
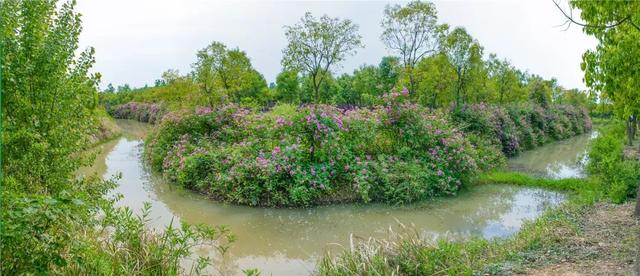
561,159
289,241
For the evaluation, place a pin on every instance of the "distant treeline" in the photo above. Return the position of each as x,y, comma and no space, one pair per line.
438,65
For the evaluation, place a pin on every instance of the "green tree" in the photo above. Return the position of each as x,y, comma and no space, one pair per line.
412,32
612,66
506,81
465,54
436,80
47,106
288,86
48,102
315,46
389,72
110,88
124,88
226,74
170,76
540,91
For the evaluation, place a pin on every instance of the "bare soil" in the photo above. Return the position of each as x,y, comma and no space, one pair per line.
608,243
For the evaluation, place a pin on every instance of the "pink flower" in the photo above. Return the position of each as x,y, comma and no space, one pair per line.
275,151
405,91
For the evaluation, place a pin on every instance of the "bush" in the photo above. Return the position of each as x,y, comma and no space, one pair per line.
516,128
142,112
316,154
620,177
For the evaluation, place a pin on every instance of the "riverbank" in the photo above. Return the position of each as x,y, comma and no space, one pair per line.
107,129
607,241
586,235
290,241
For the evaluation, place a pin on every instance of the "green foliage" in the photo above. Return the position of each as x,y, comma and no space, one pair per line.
288,87
310,155
515,128
436,78
315,46
131,248
226,74
48,95
413,32
465,54
52,221
611,67
619,177
179,94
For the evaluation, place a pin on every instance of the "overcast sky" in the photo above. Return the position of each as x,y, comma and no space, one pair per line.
136,41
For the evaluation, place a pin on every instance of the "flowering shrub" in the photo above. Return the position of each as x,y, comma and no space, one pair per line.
142,112
518,128
301,156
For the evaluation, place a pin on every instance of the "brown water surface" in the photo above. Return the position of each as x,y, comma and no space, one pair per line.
289,241
560,159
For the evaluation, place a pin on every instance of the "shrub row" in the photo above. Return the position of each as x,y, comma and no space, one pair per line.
300,156
516,128
142,112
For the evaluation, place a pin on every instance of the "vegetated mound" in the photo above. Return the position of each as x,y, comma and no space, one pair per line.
301,156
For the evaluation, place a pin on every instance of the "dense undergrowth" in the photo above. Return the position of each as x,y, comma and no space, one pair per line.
516,128
53,222
407,253
301,156
142,112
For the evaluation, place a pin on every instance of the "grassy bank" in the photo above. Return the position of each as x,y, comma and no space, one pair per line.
106,129
586,234
406,253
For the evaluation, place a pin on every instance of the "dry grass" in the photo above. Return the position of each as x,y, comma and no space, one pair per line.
608,244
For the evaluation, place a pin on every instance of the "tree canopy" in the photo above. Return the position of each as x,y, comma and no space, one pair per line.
315,46
225,74
413,32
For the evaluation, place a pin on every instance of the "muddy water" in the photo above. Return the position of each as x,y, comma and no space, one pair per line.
561,159
289,241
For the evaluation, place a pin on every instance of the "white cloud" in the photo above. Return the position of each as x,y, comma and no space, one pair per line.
136,41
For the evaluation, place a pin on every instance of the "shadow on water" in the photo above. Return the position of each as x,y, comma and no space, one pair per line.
289,241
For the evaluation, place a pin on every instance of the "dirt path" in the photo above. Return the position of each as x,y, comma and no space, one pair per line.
608,244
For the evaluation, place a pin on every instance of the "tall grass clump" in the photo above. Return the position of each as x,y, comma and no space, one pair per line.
300,156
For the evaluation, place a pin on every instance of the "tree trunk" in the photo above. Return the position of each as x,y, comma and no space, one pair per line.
637,212
630,127
411,83
634,120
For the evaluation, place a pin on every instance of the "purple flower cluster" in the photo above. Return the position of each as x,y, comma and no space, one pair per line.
143,112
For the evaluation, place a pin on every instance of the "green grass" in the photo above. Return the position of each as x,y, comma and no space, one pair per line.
406,253
520,179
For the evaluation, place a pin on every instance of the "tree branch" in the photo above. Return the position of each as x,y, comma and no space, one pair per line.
570,20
